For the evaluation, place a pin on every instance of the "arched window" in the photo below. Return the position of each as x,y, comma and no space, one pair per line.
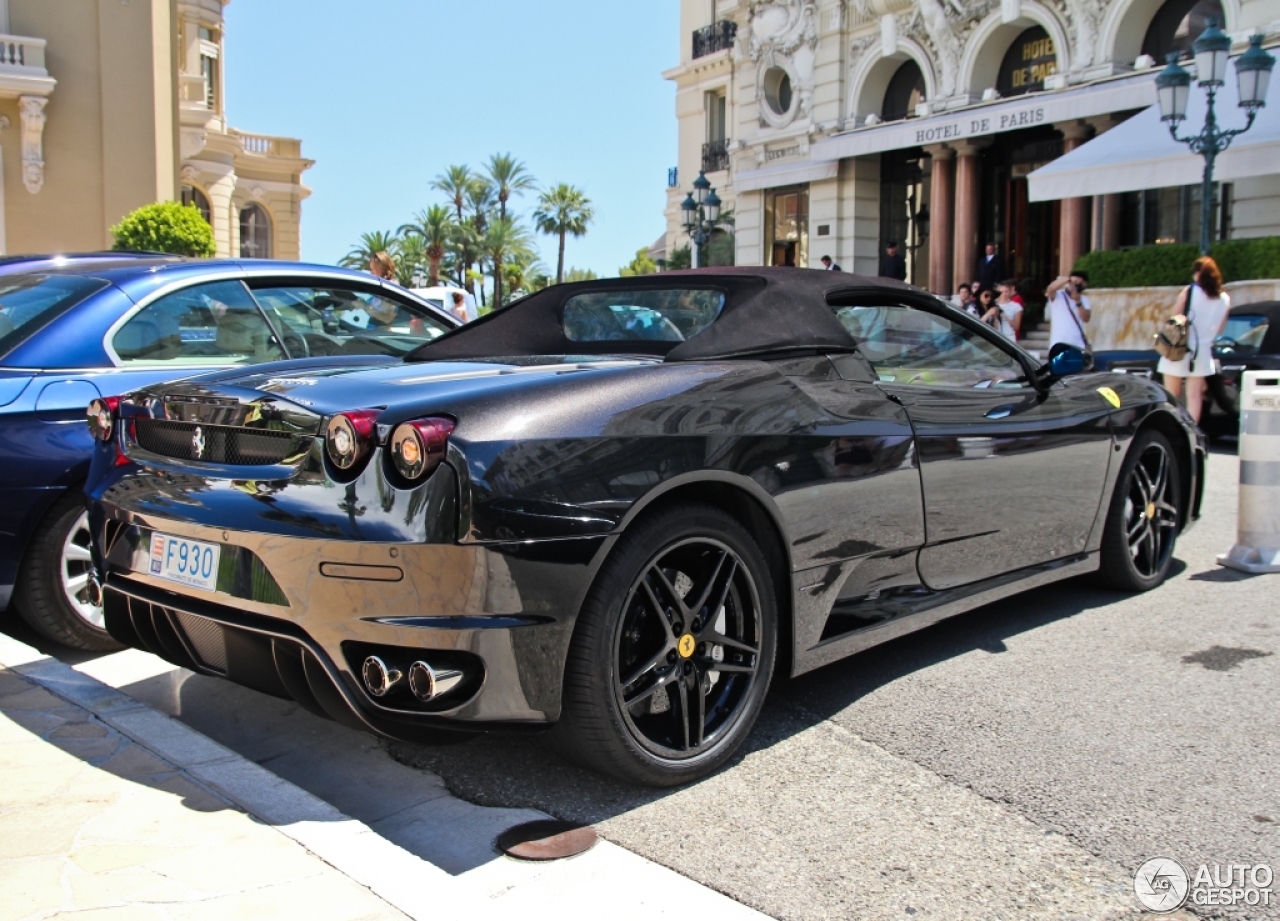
1177,24
905,92
255,232
1030,59
194,197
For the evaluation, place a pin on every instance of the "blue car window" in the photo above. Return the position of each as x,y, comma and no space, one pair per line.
671,315
329,320
28,302
909,346
212,324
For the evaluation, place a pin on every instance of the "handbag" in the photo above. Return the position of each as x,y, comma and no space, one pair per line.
1173,338
1076,320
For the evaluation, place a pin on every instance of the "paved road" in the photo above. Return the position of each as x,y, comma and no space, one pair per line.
1016,762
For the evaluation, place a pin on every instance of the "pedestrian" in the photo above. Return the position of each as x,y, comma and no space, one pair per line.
459,308
1010,305
988,311
1068,310
990,270
829,265
1204,307
964,299
381,265
893,265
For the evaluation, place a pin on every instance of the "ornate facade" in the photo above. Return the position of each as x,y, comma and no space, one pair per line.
851,124
105,107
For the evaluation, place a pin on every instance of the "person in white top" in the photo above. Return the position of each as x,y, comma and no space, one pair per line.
1069,310
1204,306
1010,309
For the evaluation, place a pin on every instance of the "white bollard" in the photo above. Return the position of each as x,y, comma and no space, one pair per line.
1257,546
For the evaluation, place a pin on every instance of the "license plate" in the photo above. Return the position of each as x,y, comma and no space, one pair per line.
190,562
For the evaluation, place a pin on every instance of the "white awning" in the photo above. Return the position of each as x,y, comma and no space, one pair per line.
772,177
1140,154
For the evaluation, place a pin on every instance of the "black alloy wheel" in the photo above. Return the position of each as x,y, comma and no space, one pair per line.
1142,522
673,652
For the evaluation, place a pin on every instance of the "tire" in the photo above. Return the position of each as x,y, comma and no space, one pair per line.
50,594
688,702
1142,520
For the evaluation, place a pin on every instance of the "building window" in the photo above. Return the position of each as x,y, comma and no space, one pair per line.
715,152
209,70
1177,24
1030,59
1170,215
787,227
905,92
903,209
198,200
777,90
255,232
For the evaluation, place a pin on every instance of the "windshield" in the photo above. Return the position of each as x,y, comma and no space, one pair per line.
28,302
1243,336
323,320
640,316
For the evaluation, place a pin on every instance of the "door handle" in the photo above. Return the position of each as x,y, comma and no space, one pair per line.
1000,412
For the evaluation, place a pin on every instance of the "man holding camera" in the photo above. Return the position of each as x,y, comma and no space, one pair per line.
1068,310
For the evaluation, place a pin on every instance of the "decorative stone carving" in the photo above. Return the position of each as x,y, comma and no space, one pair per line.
257,193
33,119
192,141
1085,16
945,43
783,41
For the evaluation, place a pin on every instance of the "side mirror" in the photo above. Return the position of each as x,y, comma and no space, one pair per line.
1064,360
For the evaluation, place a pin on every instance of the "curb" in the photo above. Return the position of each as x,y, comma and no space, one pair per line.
349,846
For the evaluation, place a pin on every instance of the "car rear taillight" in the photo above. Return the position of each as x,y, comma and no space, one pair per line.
418,447
349,437
102,415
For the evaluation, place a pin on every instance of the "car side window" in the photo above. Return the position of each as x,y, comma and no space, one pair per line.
906,345
211,324
329,320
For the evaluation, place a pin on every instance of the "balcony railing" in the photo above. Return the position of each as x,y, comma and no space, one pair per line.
673,177
713,38
715,156
264,145
19,52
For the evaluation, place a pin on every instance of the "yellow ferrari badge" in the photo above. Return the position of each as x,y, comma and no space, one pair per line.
1110,396
687,645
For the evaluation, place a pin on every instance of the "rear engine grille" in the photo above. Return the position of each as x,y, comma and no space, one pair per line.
215,444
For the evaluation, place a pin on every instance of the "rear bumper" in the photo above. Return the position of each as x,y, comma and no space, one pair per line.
296,617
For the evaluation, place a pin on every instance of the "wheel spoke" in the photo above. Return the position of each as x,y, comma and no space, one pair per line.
1159,481
670,590
684,711
730,668
647,691
76,553
659,611
723,592
1166,515
1143,482
75,583
1150,548
651,663
698,712
1134,529
721,640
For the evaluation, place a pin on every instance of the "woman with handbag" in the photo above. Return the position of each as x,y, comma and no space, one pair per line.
1201,313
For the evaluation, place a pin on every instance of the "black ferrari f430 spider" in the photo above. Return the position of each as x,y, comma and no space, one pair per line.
615,509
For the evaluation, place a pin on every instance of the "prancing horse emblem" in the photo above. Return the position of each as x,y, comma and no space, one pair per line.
197,443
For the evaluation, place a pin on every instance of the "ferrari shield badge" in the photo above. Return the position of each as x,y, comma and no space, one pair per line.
687,645
1110,396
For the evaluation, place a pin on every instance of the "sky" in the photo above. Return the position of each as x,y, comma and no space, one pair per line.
386,94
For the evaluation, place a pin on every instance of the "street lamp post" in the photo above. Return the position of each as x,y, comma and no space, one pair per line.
1173,90
701,212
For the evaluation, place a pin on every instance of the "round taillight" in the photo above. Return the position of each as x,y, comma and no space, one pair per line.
349,437
418,447
102,417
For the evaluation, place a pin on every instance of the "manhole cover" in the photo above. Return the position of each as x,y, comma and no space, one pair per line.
547,839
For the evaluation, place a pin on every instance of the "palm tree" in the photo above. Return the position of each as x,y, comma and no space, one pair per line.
508,176
455,182
563,210
379,241
502,238
435,227
412,257
480,200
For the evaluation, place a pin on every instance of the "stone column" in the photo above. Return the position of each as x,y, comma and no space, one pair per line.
941,218
1111,205
968,189
1072,226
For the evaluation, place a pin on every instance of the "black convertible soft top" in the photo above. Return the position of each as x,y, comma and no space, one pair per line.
766,310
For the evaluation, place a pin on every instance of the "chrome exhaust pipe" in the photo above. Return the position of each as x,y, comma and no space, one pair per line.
379,679
428,683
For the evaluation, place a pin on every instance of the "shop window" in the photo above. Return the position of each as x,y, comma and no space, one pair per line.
1170,215
787,227
905,92
1177,24
198,200
255,232
1030,59
903,209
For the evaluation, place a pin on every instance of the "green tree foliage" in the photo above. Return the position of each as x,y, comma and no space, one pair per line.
1170,264
508,176
580,275
681,258
379,241
641,265
563,210
410,257
165,227
503,239
436,229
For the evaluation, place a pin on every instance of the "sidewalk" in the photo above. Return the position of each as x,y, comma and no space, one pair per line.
110,809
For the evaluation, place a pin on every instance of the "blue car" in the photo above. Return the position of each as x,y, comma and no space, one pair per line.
77,328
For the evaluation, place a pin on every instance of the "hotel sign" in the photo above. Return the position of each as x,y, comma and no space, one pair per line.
1027,117
1029,61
